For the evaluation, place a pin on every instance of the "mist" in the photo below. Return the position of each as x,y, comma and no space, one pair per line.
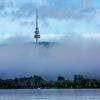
66,58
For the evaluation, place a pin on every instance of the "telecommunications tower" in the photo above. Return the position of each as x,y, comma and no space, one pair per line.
37,35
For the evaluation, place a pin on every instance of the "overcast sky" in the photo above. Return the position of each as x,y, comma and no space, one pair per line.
57,19
75,22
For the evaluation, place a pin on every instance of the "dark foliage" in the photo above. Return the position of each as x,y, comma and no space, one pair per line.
38,82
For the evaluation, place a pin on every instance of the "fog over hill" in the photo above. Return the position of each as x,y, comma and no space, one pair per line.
50,59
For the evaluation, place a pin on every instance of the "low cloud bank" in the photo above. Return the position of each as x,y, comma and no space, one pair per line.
67,58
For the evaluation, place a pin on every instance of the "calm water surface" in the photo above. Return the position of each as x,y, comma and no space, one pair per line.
50,94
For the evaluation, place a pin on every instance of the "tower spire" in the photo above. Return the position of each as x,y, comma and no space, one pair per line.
37,35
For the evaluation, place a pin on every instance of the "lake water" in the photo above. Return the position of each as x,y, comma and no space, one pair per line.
50,94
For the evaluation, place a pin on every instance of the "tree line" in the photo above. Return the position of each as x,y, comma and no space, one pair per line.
35,82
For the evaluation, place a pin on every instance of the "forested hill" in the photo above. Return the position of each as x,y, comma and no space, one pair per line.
35,82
